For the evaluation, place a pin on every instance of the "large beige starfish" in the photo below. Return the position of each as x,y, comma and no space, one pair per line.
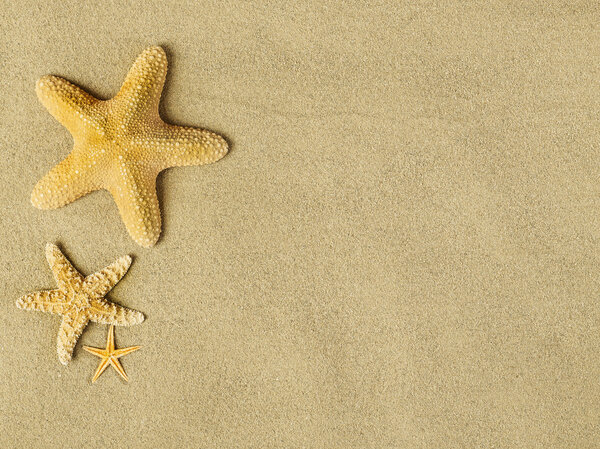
80,300
110,355
121,145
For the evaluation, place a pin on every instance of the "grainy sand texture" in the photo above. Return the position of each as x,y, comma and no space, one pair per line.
401,249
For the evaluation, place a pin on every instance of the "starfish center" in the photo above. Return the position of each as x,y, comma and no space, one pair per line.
79,301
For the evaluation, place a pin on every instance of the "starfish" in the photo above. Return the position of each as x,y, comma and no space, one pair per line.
80,300
110,355
121,145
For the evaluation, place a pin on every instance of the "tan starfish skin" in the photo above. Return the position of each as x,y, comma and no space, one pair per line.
80,299
121,145
110,355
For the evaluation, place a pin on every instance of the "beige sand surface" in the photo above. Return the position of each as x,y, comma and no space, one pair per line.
402,249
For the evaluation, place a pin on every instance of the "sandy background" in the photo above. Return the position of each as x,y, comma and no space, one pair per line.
400,251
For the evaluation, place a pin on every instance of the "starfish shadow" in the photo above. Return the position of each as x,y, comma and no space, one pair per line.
160,190
160,193
165,93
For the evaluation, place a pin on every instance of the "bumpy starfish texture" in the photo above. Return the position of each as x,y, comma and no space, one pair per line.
121,145
80,299
110,355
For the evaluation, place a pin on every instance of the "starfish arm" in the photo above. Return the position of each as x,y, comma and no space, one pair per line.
124,351
64,273
105,312
72,178
52,301
135,194
74,108
178,146
101,282
70,330
141,90
96,351
117,366
110,340
104,363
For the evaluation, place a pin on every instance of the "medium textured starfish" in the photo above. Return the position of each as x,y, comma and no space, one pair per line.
110,355
121,145
80,300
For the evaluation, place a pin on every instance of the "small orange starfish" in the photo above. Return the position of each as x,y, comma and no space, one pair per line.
110,355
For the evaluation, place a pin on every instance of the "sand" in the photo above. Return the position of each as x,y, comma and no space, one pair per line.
401,249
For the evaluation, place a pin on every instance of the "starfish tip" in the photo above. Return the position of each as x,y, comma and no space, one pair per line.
36,198
145,242
155,49
41,82
50,247
35,202
223,146
46,82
